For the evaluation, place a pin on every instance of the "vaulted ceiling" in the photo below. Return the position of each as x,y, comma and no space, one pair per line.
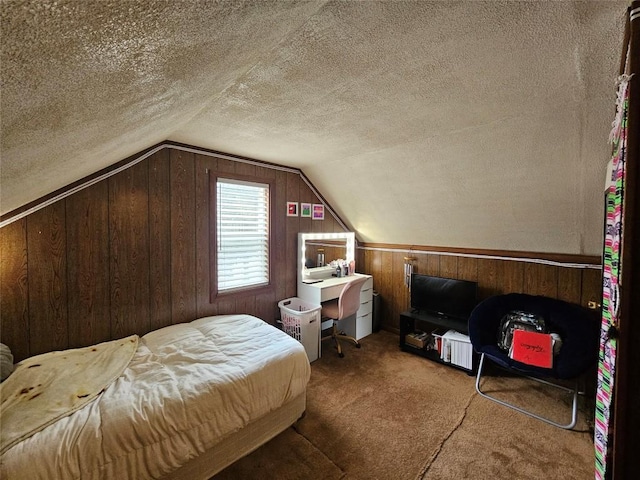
463,124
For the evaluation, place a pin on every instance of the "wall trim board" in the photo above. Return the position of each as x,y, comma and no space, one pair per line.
555,259
118,167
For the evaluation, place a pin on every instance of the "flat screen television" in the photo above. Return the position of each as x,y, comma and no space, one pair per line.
443,297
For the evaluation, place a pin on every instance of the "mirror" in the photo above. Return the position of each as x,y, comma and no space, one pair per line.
321,252
332,246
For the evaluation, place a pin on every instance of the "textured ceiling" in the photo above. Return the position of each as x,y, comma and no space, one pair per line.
464,124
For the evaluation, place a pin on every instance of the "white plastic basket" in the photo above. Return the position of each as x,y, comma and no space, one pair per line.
301,320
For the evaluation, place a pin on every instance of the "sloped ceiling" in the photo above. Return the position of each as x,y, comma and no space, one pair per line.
463,124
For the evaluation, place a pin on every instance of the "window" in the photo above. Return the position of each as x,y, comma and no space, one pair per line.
242,234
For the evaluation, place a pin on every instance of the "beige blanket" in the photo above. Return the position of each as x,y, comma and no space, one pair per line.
47,387
187,387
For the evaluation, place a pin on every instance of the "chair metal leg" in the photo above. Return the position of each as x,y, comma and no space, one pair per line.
336,336
574,408
351,339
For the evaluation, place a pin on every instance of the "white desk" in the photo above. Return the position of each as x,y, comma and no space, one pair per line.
330,288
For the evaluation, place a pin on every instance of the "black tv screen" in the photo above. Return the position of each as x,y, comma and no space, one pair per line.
443,296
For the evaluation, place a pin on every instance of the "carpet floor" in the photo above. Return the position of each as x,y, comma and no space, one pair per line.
379,413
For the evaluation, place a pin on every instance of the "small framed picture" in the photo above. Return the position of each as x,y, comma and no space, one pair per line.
305,210
318,211
292,209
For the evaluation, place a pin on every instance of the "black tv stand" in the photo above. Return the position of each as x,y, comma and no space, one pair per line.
440,320
421,321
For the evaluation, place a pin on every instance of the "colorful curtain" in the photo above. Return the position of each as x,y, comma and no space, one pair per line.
610,290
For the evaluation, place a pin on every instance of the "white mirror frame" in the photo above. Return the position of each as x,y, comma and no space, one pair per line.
349,237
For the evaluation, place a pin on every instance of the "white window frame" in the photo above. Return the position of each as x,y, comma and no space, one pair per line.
240,267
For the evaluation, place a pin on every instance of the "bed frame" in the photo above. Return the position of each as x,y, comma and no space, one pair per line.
241,442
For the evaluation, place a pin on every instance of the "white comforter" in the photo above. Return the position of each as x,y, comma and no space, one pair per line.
186,388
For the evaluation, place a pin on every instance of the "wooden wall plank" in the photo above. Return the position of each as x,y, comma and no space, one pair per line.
449,266
14,289
366,264
266,304
47,272
468,268
183,236
420,263
292,227
227,305
433,265
375,269
591,286
570,285
129,251
279,247
246,169
87,231
541,279
511,276
266,307
225,166
330,224
384,282
206,166
487,278
160,272
400,292
266,174
362,259
246,304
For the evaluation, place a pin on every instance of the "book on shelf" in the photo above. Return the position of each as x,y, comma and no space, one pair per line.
457,349
437,339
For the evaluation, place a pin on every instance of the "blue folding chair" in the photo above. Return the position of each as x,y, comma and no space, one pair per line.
578,329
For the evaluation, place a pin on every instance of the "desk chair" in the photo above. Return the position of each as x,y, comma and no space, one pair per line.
340,308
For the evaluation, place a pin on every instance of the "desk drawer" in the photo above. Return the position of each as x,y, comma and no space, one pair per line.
365,307
329,293
366,293
364,324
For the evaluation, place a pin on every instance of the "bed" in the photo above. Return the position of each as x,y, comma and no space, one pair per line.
193,398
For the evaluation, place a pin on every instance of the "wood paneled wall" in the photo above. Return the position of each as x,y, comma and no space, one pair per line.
494,276
131,254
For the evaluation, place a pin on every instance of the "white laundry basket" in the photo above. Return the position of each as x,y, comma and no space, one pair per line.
301,320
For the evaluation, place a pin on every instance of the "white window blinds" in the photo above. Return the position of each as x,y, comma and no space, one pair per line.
242,234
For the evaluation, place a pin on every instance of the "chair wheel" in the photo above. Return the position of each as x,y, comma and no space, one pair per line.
358,345
341,355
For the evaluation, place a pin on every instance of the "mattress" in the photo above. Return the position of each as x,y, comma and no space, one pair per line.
187,388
